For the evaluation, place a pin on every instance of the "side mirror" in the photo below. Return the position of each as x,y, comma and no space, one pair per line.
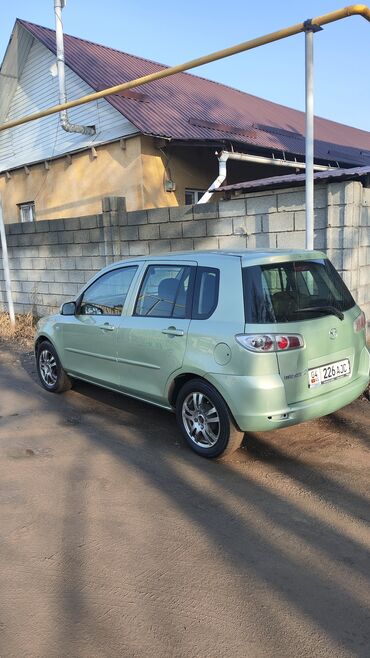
69,308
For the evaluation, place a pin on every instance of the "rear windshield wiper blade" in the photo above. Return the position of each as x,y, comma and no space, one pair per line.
328,310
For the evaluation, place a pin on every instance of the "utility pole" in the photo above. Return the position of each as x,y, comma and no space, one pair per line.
8,285
310,28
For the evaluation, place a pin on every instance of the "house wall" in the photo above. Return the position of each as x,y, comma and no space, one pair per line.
75,186
33,67
29,83
189,167
76,189
51,260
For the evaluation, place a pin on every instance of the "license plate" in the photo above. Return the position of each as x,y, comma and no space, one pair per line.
324,374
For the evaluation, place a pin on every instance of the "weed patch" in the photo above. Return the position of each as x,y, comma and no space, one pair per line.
23,332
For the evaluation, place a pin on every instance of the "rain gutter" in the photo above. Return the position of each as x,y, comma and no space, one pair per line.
246,157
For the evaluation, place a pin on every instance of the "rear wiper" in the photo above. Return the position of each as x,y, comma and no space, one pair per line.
328,310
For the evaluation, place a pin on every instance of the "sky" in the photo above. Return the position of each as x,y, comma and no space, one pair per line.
174,32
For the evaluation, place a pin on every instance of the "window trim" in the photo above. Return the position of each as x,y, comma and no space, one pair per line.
195,192
190,292
196,293
31,206
114,269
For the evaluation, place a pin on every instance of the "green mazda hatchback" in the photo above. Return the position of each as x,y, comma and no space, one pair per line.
231,341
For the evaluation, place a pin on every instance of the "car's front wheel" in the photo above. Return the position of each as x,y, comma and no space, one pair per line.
205,420
50,371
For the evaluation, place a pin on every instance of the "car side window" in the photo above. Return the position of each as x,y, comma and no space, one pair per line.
106,296
205,292
165,292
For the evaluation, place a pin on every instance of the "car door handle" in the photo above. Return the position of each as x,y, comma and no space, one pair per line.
172,331
107,327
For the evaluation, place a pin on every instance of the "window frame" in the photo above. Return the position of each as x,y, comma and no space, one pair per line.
29,205
195,193
189,296
79,300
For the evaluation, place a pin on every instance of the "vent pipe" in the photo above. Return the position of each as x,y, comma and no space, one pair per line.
64,121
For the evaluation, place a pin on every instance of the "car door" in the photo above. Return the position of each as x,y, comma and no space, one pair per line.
90,336
330,358
305,298
152,339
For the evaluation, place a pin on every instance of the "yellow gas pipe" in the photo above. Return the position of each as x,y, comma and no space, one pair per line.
352,10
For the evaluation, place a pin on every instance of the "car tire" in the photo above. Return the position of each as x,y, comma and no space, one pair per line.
205,421
49,369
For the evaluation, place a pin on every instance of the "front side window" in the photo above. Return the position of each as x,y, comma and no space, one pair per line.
299,290
165,292
107,295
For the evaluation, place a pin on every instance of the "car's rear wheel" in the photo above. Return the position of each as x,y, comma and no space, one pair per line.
205,421
50,371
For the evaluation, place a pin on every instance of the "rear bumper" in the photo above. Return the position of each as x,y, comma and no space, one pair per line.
258,404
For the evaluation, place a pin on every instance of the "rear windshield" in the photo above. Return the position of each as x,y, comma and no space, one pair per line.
299,290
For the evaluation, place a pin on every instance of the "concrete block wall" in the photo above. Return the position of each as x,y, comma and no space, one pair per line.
363,290
50,260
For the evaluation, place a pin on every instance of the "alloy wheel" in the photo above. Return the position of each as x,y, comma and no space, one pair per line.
201,420
48,368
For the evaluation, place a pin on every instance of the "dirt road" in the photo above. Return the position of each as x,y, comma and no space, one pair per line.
117,541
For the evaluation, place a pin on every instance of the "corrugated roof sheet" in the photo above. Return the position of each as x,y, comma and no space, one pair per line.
294,180
187,107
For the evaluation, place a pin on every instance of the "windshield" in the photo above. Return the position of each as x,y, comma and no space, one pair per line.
290,291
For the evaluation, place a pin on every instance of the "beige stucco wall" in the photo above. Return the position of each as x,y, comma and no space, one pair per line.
189,167
192,167
72,190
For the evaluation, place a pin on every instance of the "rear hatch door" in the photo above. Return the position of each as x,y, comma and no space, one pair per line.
328,360
305,296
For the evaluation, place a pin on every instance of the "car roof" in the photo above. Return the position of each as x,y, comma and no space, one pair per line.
247,256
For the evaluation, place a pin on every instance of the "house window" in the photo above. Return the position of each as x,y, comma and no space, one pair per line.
193,196
27,211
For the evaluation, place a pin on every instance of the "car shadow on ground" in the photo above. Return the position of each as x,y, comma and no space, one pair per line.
301,552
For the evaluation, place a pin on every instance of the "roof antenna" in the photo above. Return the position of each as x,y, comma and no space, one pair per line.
64,121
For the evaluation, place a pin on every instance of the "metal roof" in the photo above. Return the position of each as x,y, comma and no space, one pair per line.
294,180
186,107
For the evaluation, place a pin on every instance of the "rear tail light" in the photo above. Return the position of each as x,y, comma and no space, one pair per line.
282,342
360,323
270,342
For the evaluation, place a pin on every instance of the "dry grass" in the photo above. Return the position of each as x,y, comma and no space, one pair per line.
23,332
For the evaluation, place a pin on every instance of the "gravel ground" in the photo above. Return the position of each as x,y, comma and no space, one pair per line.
117,541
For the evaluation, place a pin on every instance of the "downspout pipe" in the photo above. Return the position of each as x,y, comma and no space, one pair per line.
64,121
258,159
223,158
